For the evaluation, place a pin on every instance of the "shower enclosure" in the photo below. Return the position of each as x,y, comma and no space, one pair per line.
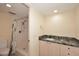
15,15
20,36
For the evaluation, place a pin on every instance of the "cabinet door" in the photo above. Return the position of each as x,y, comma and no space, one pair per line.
44,48
65,50
54,49
74,51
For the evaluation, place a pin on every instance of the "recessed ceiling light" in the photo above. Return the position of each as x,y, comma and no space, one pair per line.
8,5
55,11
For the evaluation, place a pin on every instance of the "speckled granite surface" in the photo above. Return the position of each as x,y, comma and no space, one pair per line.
70,41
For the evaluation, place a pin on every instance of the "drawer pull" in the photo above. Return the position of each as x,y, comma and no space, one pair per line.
68,53
68,48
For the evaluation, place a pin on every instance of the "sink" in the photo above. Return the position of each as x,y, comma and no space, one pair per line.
50,39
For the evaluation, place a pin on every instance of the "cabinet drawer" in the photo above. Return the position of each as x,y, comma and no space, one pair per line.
74,51
54,49
44,51
65,50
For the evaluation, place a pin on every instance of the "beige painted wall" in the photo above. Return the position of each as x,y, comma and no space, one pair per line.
77,22
62,24
35,29
5,26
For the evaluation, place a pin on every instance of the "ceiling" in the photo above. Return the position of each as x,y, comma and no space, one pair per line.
48,8
21,10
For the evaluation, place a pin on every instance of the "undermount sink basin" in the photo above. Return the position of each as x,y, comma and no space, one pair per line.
50,39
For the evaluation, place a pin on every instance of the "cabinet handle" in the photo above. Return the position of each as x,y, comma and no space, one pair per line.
68,48
28,40
68,53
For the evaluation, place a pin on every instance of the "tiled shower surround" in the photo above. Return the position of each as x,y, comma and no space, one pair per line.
20,33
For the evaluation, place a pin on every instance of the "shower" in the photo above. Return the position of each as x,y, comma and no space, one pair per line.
19,39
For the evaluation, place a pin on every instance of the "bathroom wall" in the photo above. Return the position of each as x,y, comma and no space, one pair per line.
62,24
36,20
77,22
5,26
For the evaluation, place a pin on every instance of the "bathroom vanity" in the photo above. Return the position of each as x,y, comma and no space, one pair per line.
58,46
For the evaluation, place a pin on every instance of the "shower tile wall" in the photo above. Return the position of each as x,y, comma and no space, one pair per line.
20,34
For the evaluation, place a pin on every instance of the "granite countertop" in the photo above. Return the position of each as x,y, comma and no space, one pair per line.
70,41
